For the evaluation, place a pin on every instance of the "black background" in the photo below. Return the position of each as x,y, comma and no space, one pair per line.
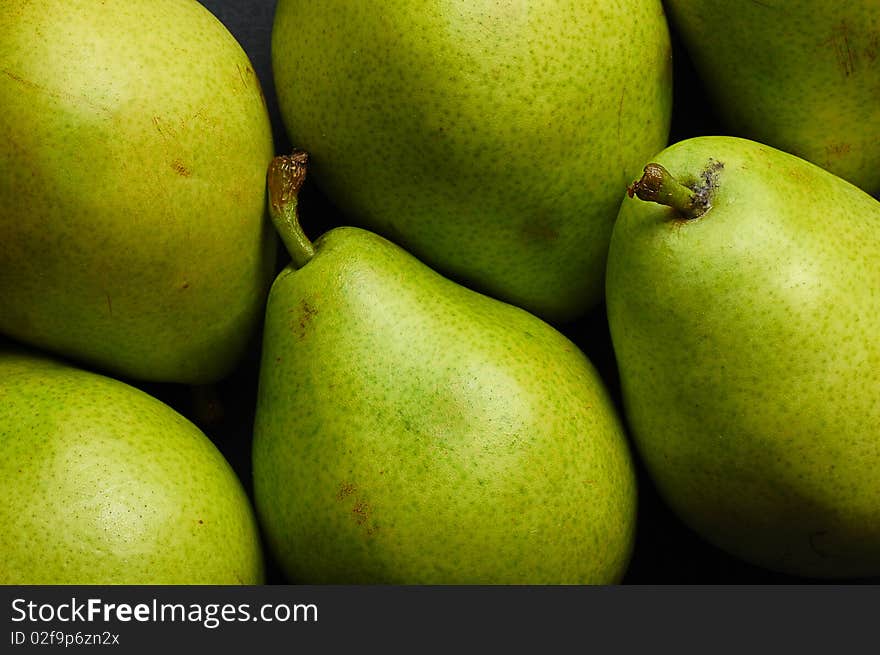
666,551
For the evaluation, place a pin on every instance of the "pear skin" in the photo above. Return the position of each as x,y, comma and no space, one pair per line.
745,312
411,431
800,75
488,139
102,484
135,140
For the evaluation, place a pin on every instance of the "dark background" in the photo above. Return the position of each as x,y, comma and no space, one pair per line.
666,551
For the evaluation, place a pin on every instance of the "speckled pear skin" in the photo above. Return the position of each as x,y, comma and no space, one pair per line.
799,75
490,139
411,431
749,359
132,187
102,484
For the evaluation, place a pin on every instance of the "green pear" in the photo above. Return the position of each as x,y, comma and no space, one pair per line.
489,139
744,309
101,483
135,141
411,431
799,75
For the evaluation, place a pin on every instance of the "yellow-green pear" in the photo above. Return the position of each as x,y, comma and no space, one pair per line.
411,431
800,75
134,141
744,309
101,483
488,138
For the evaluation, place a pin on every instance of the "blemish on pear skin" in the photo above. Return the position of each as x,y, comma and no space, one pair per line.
841,43
345,490
170,129
244,74
539,230
361,511
704,189
248,77
362,516
109,304
180,168
307,313
54,94
710,176
21,80
836,150
157,123
873,49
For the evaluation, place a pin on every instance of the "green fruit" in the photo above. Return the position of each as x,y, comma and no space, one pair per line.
102,484
132,186
490,139
409,430
800,75
746,337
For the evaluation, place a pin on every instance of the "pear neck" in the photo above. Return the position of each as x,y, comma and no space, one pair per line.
285,178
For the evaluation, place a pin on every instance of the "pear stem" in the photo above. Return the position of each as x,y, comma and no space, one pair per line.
660,186
285,178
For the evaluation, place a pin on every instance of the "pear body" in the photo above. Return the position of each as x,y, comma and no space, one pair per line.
101,483
490,139
801,75
749,359
412,431
132,187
